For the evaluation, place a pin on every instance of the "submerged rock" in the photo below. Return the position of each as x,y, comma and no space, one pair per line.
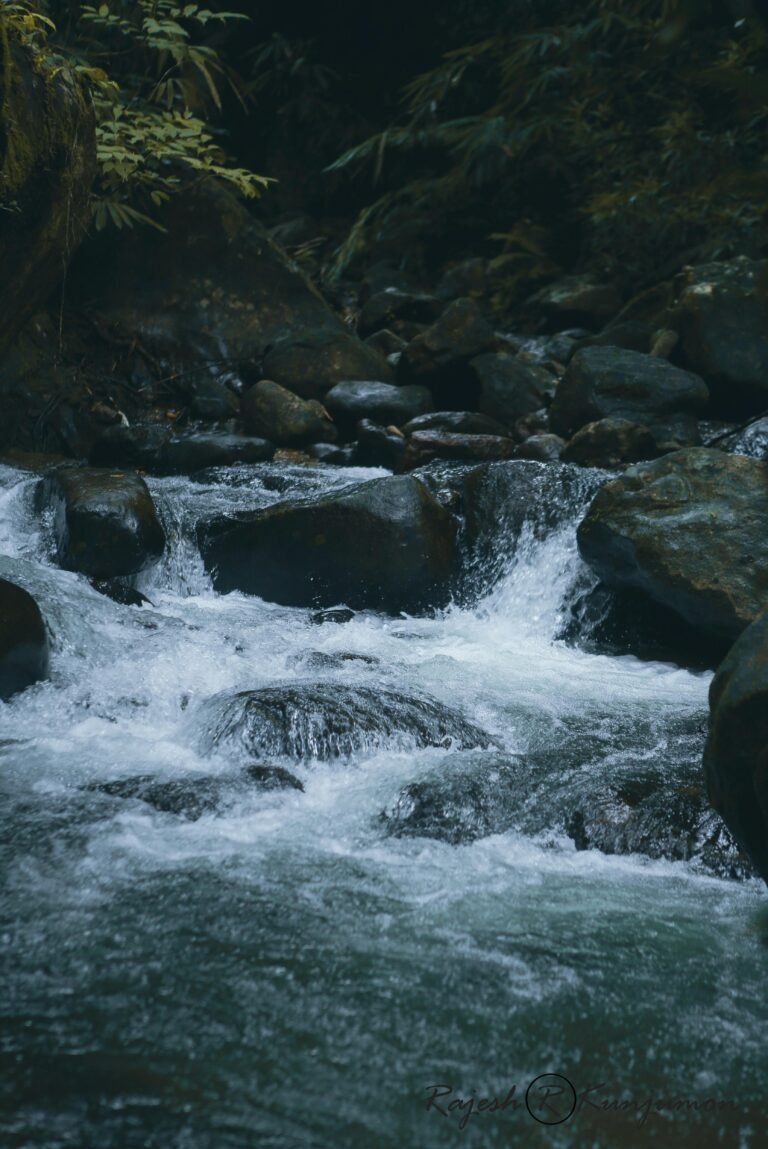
468,796
384,545
24,651
688,530
736,753
197,795
382,402
322,721
610,383
105,523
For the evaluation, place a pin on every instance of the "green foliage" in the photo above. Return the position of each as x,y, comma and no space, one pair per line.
624,136
156,86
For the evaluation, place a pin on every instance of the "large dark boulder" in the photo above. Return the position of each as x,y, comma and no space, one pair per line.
440,355
721,314
384,545
610,383
509,387
379,446
322,721
424,446
191,451
577,300
688,530
275,413
105,523
47,168
610,443
214,293
383,403
23,640
736,753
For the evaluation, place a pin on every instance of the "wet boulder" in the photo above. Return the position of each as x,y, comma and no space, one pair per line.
736,753
275,413
458,422
387,544
197,795
751,440
393,303
138,447
213,294
105,523
192,451
379,446
688,530
424,446
647,815
610,443
440,355
351,401
24,651
323,721
721,315
541,448
577,299
610,383
509,387
466,797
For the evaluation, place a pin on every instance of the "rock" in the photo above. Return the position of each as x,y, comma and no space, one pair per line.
468,796
610,443
274,413
310,369
440,355
24,651
195,796
423,446
105,523
631,335
47,169
646,815
315,660
577,299
736,753
378,446
322,721
351,401
459,422
386,342
212,401
751,440
721,314
120,592
383,308
329,453
383,545
688,531
541,448
194,450
509,387
213,295
548,350
609,383
537,423
135,447
468,278
337,615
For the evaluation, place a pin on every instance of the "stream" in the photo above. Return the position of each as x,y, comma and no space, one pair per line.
283,974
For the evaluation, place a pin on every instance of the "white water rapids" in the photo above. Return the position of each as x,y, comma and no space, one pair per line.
281,973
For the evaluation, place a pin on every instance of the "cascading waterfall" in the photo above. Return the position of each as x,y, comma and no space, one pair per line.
281,971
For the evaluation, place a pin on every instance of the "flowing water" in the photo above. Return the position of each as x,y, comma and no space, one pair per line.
279,973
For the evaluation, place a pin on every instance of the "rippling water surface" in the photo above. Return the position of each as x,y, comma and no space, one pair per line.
281,974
